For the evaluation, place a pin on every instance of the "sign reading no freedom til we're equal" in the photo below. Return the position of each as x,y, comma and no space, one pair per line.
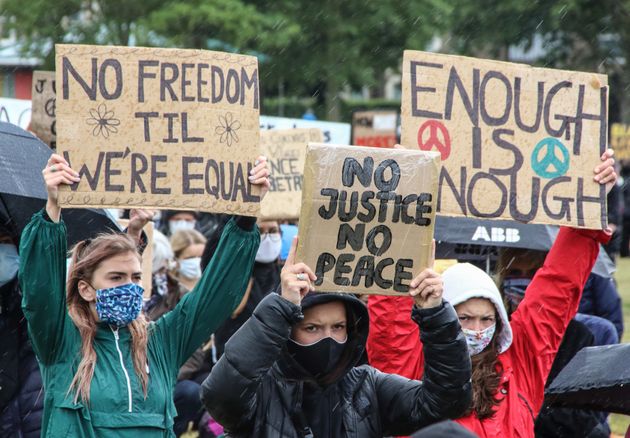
158,128
517,142
367,218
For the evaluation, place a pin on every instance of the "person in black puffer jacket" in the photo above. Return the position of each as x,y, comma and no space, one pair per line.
289,371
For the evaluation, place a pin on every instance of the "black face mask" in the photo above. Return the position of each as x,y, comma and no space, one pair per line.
319,358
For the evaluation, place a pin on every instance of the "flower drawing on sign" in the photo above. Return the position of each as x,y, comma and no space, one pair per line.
103,121
227,129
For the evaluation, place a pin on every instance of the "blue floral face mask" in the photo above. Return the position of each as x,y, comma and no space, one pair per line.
119,305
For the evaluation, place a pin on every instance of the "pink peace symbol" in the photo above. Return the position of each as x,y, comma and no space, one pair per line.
438,138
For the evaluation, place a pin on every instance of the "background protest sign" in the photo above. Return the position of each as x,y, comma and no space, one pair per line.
334,132
15,111
517,142
158,128
43,109
620,140
285,151
147,257
367,217
375,128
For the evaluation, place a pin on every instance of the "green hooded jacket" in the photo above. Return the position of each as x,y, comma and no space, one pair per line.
117,406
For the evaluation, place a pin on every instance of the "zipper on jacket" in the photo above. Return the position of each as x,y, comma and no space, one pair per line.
122,364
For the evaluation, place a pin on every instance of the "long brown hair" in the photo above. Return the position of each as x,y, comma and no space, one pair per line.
486,377
86,258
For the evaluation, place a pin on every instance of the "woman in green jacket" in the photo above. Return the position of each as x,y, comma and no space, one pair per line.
107,371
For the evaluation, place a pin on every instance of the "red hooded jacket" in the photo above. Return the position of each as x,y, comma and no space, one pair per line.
538,326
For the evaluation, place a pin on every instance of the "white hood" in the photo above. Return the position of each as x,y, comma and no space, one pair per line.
464,281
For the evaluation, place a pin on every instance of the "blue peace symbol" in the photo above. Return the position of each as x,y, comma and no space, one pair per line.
550,160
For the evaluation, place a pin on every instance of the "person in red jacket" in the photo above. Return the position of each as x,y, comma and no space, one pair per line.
510,359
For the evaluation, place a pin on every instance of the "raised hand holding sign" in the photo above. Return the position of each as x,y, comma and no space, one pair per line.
158,128
517,142
296,278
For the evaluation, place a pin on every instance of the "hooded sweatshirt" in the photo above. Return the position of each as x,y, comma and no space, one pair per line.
118,407
258,389
537,328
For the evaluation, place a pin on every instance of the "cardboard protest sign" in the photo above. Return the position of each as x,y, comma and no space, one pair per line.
367,218
620,140
147,257
15,111
375,128
517,142
285,151
43,109
158,128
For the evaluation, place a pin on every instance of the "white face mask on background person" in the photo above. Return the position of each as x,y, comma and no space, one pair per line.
175,226
190,268
9,263
270,248
160,281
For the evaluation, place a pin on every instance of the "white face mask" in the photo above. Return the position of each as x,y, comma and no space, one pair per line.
478,340
269,249
175,226
190,268
160,280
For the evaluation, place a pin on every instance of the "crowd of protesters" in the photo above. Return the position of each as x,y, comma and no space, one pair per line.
233,341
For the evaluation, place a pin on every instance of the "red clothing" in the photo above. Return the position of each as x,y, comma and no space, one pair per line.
538,326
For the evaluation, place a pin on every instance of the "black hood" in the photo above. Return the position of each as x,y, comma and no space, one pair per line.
358,328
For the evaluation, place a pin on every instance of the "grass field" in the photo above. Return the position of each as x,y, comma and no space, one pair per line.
619,423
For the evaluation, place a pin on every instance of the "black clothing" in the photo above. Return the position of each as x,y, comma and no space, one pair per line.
21,388
444,429
266,277
258,389
560,421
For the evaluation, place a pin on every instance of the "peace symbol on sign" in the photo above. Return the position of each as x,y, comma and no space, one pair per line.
50,107
548,164
437,138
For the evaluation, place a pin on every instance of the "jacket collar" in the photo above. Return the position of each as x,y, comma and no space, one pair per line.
105,332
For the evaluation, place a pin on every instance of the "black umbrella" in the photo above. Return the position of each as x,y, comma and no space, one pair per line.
22,190
596,378
473,239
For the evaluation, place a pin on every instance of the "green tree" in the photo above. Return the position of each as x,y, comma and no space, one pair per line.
583,35
304,47
39,24
349,43
221,24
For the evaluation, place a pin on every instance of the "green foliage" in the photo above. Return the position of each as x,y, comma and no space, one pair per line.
488,27
39,24
349,43
295,107
230,25
292,107
317,49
